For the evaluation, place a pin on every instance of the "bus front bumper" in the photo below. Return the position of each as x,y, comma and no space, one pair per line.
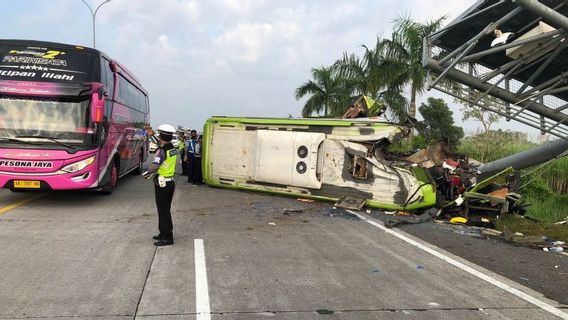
83,179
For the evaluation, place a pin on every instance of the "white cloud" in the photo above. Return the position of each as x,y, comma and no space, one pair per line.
235,57
246,43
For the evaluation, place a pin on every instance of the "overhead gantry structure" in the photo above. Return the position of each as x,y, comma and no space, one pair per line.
509,57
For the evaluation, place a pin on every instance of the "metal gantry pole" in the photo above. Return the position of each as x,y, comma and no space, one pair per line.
549,15
94,14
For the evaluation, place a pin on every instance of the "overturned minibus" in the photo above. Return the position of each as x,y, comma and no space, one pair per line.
322,159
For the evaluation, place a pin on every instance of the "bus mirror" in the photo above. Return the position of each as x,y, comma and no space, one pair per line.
97,106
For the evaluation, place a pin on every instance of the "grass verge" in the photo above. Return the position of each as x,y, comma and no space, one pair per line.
533,228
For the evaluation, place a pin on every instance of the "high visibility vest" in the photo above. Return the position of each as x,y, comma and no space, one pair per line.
181,145
168,167
191,146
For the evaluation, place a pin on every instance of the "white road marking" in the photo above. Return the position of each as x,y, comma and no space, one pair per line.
541,304
202,307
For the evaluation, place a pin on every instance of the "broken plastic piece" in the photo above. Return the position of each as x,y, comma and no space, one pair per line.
458,220
459,201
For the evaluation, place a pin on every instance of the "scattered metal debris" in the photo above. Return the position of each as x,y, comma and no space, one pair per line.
338,212
539,242
401,217
348,202
288,211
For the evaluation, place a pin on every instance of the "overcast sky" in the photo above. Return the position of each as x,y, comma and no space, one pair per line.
221,57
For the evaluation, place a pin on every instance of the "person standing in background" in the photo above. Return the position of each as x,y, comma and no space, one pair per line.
198,177
181,135
190,147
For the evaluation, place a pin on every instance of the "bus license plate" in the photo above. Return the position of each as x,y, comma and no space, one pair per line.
26,184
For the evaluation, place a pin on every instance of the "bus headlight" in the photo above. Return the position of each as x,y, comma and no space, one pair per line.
79,165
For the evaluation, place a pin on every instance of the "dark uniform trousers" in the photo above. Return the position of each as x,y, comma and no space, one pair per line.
164,198
194,174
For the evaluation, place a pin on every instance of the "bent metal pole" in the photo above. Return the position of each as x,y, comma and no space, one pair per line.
525,159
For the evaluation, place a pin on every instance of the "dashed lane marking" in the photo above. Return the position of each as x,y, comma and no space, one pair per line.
202,308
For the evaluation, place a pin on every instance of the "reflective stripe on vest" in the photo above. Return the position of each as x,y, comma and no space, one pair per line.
168,167
191,146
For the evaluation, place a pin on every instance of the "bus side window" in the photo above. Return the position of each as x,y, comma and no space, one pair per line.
138,100
107,77
142,102
104,79
122,90
107,80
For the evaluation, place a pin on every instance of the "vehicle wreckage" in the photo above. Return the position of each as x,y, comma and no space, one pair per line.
323,159
348,161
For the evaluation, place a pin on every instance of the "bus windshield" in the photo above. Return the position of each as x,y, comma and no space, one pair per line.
46,121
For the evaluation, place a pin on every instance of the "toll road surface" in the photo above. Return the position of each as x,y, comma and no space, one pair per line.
237,255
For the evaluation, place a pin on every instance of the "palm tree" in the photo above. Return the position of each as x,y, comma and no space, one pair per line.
374,76
404,51
329,93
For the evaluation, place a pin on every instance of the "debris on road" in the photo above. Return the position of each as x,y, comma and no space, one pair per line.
338,212
537,242
348,202
402,217
288,211
458,220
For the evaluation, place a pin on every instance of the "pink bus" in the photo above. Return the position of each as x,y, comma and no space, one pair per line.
70,118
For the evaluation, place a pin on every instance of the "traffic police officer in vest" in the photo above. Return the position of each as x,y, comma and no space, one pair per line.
162,171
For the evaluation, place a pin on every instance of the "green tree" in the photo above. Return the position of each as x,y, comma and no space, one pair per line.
485,117
404,55
371,75
438,124
328,93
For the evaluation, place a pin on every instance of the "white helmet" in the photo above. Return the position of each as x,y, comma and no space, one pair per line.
166,128
166,132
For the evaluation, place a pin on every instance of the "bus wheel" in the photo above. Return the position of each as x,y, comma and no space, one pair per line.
108,188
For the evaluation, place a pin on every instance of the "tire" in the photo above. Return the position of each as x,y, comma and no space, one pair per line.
108,188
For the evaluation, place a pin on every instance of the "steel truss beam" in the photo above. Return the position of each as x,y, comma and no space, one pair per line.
525,106
517,108
538,122
548,14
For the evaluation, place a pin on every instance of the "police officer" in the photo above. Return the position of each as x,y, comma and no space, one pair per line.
162,171
192,169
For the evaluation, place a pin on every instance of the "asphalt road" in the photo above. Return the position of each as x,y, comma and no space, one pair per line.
81,255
